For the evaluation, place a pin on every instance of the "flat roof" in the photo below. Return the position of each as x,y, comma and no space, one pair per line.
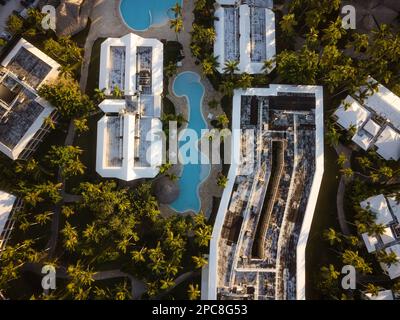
388,144
378,206
26,68
31,64
129,133
395,206
251,38
382,295
387,236
385,103
370,242
393,270
273,90
354,115
372,127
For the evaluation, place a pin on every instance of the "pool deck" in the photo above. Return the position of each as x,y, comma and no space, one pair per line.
100,28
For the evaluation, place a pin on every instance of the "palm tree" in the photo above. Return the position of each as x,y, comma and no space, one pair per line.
67,159
372,289
347,172
387,258
342,159
222,180
223,120
200,5
376,229
245,81
330,273
99,95
231,67
227,87
166,283
117,92
177,25
43,218
199,261
122,292
49,122
288,23
177,9
352,258
203,235
193,292
70,237
209,65
332,236
332,135
268,66
139,255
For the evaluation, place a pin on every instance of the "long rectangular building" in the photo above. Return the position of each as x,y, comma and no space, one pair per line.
258,244
129,143
245,32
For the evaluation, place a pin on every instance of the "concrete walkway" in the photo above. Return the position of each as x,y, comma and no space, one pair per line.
341,191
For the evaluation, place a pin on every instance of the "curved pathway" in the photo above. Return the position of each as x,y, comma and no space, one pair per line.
341,191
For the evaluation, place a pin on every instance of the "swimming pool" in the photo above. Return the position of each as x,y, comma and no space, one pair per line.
188,85
142,14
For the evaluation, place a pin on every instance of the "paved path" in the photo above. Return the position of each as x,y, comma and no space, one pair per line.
341,191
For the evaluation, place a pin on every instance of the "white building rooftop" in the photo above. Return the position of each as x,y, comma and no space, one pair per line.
378,206
395,206
22,111
129,136
370,242
245,33
355,115
393,270
388,144
376,119
382,295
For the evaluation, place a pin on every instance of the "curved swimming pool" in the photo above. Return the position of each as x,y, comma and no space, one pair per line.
140,15
188,85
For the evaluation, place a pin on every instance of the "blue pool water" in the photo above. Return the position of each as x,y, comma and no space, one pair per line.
142,14
188,85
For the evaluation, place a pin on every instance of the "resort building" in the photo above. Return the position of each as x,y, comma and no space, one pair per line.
382,295
258,245
22,110
386,212
9,204
245,32
129,136
375,121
